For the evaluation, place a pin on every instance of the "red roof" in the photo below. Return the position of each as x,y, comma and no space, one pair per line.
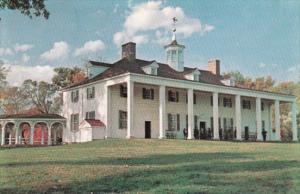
95,122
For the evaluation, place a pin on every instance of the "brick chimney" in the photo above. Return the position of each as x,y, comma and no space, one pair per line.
214,66
128,51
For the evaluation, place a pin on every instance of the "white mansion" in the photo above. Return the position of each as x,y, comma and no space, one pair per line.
134,98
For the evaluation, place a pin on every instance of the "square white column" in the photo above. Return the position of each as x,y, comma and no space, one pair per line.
16,134
277,120
130,101
31,135
162,111
216,115
258,119
3,135
294,121
238,122
49,135
190,113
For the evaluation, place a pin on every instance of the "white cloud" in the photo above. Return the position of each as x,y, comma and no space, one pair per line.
23,47
5,52
18,73
152,16
264,65
58,51
90,47
25,58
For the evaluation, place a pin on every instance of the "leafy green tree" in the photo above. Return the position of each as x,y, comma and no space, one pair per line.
29,8
42,95
66,76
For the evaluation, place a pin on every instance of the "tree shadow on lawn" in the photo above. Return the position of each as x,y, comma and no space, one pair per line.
192,172
155,159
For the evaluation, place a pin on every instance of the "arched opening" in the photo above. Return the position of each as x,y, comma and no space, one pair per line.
25,133
9,133
40,134
57,133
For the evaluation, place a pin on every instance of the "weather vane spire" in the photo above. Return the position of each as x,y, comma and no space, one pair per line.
174,28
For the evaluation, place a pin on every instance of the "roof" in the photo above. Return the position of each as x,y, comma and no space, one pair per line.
174,43
135,66
125,66
97,63
95,122
32,116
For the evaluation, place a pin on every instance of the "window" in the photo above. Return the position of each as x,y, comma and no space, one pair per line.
173,56
196,77
122,119
153,71
227,102
123,91
262,106
174,122
74,122
90,93
148,93
173,96
90,115
75,96
246,104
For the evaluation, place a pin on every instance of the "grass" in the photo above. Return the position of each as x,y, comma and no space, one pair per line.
152,166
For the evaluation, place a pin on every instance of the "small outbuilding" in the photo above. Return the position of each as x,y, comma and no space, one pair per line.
91,129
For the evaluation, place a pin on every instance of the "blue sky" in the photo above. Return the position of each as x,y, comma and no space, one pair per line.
256,37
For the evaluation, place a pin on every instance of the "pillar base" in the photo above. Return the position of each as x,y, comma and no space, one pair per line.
161,137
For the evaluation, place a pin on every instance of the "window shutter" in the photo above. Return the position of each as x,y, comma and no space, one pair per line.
169,95
144,93
121,90
196,122
178,122
152,94
195,98
211,101
169,121
177,96
186,121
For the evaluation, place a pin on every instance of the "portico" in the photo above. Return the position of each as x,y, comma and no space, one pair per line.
260,100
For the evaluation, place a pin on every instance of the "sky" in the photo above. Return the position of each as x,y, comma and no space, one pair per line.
255,37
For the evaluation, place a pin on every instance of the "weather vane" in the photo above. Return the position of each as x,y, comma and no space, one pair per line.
174,24
174,28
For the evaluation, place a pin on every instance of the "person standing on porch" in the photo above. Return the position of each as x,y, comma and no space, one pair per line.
185,133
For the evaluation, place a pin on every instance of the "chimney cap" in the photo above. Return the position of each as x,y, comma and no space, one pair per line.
128,43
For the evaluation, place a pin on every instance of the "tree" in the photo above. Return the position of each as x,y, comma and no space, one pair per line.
14,101
42,95
29,8
67,76
239,77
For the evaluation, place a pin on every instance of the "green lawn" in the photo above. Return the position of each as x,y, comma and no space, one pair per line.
152,166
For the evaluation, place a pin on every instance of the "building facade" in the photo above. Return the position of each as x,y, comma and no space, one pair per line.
135,98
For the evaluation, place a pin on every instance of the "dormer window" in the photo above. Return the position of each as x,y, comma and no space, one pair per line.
196,77
151,69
